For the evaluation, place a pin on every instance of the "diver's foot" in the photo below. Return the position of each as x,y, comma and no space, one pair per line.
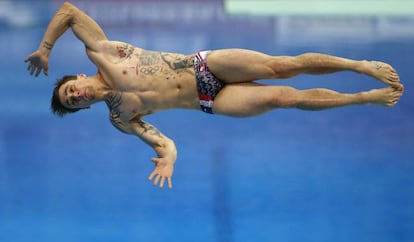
386,96
382,72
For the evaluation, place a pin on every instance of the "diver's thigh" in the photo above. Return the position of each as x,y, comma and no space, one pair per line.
239,65
248,99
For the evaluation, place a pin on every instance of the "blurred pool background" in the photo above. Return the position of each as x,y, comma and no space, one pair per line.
338,175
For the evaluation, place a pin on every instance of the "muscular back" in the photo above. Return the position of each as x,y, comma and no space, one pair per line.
144,81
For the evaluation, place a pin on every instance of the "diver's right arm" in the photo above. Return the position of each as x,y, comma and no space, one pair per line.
163,146
68,16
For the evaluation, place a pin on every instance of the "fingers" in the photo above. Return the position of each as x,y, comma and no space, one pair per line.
152,175
36,65
33,69
38,72
160,180
156,180
46,69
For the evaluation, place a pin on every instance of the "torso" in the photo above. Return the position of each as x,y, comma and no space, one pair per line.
144,82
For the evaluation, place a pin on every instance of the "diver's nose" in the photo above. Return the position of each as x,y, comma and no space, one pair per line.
76,94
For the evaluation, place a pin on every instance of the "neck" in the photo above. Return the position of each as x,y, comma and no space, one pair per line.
102,89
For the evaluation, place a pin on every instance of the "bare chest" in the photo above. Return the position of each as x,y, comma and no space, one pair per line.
125,105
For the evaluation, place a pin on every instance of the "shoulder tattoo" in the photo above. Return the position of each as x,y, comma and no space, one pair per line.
114,101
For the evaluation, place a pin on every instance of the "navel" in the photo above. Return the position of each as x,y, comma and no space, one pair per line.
124,72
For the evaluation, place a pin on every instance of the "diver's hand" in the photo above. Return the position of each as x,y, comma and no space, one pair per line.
37,63
164,169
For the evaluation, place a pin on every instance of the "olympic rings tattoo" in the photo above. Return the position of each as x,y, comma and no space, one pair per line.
150,70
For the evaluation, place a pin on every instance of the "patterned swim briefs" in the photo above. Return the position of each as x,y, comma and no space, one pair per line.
208,86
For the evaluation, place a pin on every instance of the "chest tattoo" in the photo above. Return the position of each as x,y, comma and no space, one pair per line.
176,62
149,58
125,51
150,62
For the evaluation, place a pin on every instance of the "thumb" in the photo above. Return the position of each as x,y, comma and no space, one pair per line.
46,70
28,58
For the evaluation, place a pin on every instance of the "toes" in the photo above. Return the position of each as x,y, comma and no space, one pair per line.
398,87
394,77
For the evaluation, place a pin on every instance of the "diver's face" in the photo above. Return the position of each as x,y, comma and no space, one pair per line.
77,93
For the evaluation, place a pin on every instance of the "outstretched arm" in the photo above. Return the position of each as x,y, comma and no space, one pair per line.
163,146
68,16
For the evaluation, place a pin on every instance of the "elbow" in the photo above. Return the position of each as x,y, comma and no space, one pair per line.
166,146
67,5
68,8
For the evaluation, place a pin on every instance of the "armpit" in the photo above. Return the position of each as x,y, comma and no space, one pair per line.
118,123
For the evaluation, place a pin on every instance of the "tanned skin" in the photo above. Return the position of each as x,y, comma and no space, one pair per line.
135,82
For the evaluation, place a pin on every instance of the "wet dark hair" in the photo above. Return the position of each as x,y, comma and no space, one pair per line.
56,106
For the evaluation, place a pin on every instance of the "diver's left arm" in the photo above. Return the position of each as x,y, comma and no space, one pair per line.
163,146
68,16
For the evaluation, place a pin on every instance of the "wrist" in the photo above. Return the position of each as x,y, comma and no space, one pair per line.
47,45
45,48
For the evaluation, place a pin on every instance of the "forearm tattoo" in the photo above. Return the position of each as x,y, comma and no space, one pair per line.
47,45
148,128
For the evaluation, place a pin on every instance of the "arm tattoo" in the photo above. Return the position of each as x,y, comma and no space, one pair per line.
148,128
47,45
116,122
